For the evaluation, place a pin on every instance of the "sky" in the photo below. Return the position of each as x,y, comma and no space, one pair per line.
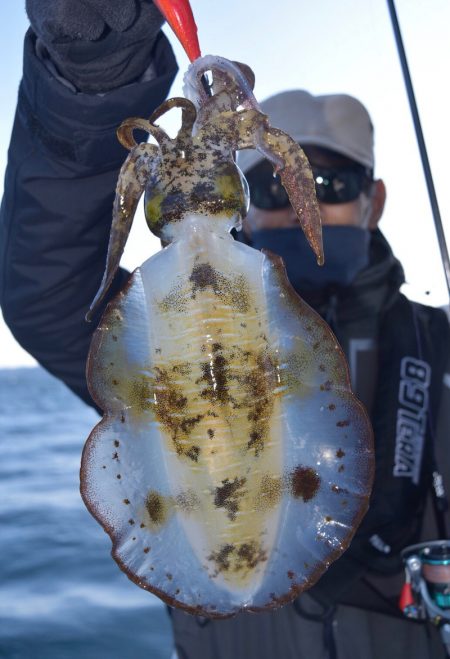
324,47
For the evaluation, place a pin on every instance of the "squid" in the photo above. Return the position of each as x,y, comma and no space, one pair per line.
233,463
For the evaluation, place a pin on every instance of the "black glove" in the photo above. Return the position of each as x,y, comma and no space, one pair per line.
97,45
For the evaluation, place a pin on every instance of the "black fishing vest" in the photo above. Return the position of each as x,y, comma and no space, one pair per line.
414,342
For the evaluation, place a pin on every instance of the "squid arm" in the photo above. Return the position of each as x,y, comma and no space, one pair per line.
130,186
188,116
133,178
253,131
298,181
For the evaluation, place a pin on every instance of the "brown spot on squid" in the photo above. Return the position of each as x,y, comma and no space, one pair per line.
157,508
304,483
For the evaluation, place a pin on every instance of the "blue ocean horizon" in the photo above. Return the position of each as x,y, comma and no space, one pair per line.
61,595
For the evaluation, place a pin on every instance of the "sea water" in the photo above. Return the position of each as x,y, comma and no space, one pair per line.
61,594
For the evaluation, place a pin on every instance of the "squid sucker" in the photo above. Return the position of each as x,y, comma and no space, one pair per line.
233,464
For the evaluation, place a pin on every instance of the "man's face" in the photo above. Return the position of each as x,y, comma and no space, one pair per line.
358,213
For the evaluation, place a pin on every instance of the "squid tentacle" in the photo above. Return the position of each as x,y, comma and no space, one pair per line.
242,94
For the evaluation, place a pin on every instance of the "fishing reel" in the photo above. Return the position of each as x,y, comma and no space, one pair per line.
426,593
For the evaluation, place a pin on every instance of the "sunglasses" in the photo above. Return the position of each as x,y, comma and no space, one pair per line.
334,185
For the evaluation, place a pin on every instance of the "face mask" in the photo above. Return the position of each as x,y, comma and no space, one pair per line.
346,253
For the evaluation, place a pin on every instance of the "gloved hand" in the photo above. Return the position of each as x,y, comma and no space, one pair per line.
97,45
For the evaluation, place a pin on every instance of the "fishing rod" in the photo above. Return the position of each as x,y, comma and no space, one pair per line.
426,593
421,143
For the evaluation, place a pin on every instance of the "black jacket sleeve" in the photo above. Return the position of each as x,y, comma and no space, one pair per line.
55,217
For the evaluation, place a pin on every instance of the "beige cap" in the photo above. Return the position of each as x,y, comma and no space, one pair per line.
336,121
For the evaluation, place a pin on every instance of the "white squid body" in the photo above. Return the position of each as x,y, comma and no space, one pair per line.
233,463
